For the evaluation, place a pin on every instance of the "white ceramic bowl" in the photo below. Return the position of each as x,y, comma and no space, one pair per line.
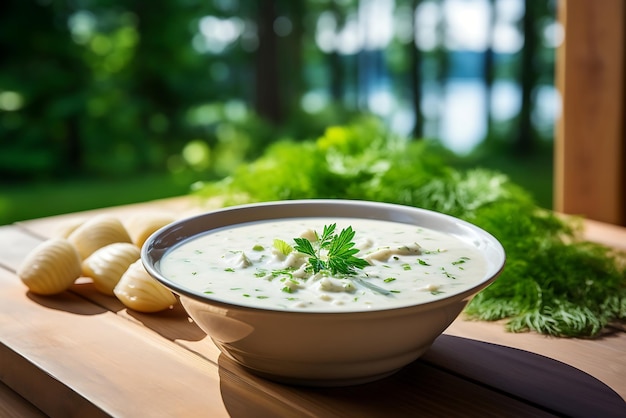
314,348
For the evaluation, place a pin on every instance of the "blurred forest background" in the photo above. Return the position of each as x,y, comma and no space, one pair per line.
106,102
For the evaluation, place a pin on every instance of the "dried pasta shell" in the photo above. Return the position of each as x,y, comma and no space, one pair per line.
141,227
106,265
139,291
51,267
97,232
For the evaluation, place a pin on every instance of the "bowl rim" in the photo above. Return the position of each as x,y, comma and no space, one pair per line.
262,212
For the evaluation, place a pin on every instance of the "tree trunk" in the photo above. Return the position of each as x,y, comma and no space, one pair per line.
441,57
415,76
268,100
334,59
291,57
489,69
525,140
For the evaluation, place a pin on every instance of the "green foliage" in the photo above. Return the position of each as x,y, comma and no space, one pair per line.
553,282
103,87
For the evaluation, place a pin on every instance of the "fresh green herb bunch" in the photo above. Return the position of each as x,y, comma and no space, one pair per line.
553,282
331,252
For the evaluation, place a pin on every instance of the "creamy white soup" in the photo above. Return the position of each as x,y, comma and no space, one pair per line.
270,265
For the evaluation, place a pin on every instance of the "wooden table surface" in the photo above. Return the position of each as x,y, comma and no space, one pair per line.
82,354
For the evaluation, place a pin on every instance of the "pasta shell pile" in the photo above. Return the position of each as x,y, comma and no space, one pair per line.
105,250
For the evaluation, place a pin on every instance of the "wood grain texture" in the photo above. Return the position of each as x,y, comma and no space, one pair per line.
70,357
590,144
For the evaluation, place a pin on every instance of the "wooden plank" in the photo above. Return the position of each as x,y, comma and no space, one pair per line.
14,245
12,405
590,143
172,324
72,358
607,234
179,207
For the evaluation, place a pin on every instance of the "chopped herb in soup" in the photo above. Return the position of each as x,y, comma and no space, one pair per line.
323,264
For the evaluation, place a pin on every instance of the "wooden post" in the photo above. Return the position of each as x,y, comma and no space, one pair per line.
590,142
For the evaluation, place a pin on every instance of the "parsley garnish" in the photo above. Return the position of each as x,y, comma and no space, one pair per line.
334,253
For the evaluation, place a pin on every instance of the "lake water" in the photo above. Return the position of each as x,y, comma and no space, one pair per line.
455,113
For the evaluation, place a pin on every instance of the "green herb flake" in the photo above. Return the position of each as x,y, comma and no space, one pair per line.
447,274
389,279
461,260
437,251
258,247
285,273
282,246
422,262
